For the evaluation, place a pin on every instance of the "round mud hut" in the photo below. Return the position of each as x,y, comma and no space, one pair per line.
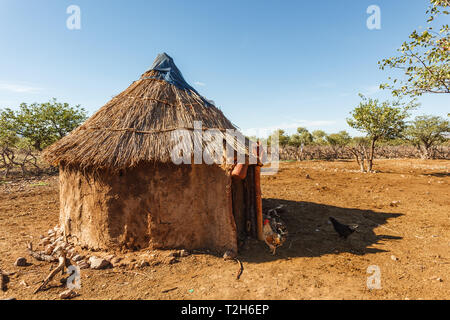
119,185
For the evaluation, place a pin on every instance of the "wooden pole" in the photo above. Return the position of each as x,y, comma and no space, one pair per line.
259,218
240,171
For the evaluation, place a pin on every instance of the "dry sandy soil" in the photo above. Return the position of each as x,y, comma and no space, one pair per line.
403,213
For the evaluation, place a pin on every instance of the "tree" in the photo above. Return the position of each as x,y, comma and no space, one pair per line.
15,151
7,136
342,138
302,137
359,147
43,123
338,141
8,139
283,139
427,131
379,120
424,59
319,137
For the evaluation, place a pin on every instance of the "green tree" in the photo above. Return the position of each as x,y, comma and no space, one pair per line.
302,137
424,59
8,138
15,151
43,123
319,137
425,132
340,139
283,139
379,120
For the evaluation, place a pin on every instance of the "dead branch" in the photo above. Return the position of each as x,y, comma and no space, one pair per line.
39,255
130,272
241,269
61,265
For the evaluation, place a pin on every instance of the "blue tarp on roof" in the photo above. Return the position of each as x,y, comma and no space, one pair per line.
168,71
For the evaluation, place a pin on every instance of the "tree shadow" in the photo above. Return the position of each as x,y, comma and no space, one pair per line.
311,235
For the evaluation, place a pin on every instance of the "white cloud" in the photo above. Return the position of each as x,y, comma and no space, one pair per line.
19,88
201,84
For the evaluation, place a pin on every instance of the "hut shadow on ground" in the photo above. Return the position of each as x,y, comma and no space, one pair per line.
310,234
438,174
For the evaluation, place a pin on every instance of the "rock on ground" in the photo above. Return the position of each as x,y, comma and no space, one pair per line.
99,263
68,294
21,262
229,255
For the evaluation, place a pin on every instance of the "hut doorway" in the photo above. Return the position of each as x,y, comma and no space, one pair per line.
245,207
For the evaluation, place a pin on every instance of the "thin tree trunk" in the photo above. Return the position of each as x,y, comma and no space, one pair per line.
429,151
372,152
361,164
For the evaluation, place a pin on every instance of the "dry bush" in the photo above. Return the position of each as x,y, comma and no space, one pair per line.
343,152
15,162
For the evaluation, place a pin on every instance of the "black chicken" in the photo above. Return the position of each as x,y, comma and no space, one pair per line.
342,229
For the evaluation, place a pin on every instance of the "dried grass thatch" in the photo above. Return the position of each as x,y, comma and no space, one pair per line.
137,126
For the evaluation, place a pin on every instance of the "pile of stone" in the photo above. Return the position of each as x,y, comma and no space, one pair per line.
54,241
54,248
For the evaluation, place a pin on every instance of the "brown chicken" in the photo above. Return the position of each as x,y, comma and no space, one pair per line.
274,230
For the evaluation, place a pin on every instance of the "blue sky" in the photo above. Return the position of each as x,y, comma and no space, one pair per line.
267,64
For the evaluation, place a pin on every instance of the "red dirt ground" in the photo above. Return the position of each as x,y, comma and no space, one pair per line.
403,210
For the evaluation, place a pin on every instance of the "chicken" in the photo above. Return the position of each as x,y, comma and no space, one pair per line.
280,208
274,230
342,229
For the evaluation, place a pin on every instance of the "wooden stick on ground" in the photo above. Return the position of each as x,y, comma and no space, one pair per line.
131,272
61,265
40,256
241,269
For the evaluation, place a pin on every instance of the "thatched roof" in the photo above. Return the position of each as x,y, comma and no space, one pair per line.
137,124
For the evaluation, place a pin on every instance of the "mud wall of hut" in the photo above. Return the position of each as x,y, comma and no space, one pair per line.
152,205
